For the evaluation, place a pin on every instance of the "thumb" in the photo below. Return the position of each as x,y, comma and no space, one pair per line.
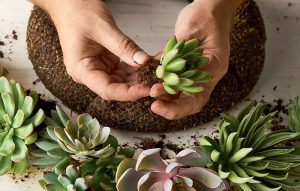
122,46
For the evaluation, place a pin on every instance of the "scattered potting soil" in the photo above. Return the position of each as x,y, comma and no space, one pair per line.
7,43
36,81
14,35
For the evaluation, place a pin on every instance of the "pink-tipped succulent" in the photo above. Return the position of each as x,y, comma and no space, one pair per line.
151,173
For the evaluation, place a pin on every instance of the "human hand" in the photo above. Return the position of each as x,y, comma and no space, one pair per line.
210,22
96,53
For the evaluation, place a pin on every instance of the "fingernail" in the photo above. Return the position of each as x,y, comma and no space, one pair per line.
140,57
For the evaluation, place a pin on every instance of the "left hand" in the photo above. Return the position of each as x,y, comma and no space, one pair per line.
209,21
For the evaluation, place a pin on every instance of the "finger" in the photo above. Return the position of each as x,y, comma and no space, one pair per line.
125,92
174,110
111,37
126,68
157,90
102,84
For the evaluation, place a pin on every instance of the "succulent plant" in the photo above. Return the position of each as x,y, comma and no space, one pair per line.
17,123
250,156
104,170
71,180
64,139
151,172
180,67
294,115
85,139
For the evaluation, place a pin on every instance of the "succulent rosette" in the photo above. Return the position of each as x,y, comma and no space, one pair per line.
294,115
104,170
151,172
17,123
72,179
181,67
251,157
84,140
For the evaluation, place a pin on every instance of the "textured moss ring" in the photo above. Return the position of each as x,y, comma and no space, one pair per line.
247,41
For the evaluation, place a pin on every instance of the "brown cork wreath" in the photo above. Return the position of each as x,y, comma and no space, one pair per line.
247,41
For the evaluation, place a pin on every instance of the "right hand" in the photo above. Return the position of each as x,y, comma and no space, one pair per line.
96,53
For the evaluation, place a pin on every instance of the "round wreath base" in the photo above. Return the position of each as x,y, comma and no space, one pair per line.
247,41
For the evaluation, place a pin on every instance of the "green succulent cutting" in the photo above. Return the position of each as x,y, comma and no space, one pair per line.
17,123
251,157
180,67
294,115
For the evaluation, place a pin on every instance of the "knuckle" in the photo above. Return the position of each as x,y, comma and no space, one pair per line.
125,45
104,96
171,115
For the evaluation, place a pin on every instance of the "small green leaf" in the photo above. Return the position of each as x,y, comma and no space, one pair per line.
201,77
192,89
37,119
21,166
31,139
169,57
169,89
190,46
64,180
171,79
20,151
176,65
62,165
28,106
239,155
46,144
18,119
160,71
201,62
8,145
170,45
72,172
184,82
24,131
5,164
9,104
187,74
50,177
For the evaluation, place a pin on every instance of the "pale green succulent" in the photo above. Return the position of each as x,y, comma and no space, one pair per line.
250,156
294,115
180,67
85,139
17,123
151,172
71,180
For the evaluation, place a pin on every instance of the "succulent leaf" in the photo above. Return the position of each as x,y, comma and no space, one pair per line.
294,115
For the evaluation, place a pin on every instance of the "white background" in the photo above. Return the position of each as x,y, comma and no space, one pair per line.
150,23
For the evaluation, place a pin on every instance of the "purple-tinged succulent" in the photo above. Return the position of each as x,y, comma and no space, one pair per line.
151,173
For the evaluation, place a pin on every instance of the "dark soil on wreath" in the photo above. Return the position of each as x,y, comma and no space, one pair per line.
247,40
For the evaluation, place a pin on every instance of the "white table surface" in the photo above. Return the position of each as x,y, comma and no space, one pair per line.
150,23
